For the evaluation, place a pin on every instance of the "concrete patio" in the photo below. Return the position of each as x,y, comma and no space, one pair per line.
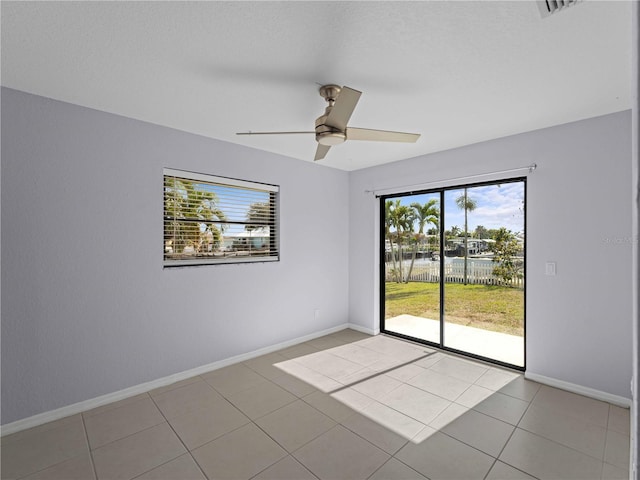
498,346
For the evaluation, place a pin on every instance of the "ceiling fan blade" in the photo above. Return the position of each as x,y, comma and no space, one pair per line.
380,135
343,108
321,152
270,133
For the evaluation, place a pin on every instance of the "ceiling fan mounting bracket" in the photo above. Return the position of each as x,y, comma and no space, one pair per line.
330,92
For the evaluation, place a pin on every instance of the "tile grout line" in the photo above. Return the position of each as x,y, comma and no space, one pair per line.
337,423
511,436
126,436
251,421
65,460
602,460
406,464
290,454
393,457
497,458
369,441
562,445
306,443
376,470
131,435
278,461
180,439
377,374
438,430
86,436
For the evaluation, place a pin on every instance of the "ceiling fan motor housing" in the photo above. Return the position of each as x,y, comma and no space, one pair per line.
326,135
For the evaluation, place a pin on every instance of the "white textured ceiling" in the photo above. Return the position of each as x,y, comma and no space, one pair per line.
456,72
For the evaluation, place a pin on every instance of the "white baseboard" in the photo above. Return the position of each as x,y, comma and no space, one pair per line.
85,405
360,328
579,389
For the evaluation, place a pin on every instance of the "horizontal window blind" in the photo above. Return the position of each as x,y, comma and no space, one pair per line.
209,220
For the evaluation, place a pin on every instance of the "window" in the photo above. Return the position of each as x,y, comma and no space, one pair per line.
212,220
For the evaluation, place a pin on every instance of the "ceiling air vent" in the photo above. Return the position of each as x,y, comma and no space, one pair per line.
547,7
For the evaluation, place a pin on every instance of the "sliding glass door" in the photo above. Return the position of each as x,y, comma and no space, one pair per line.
453,269
483,280
412,266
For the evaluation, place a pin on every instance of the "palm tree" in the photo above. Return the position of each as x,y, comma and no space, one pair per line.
406,219
401,217
258,216
426,213
481,232
423,214
190,211
388,207
468,205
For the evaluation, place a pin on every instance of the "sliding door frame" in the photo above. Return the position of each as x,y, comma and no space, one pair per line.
441,191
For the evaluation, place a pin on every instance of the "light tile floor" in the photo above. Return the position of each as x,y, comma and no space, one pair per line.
344,406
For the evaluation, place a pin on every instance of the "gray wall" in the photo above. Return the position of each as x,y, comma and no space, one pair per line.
87,308
579,322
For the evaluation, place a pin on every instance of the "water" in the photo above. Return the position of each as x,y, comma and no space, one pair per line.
450,260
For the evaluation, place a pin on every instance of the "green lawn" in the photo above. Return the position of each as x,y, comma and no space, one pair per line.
500,309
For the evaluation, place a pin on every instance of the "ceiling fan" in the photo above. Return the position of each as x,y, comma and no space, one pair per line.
331,127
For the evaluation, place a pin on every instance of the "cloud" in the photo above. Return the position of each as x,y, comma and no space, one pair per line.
497,205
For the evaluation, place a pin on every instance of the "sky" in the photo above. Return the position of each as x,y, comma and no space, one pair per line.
498,205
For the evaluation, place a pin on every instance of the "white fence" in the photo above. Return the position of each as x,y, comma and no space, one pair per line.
478,273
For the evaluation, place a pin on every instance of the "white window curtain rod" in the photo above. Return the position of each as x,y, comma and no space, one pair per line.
378,191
